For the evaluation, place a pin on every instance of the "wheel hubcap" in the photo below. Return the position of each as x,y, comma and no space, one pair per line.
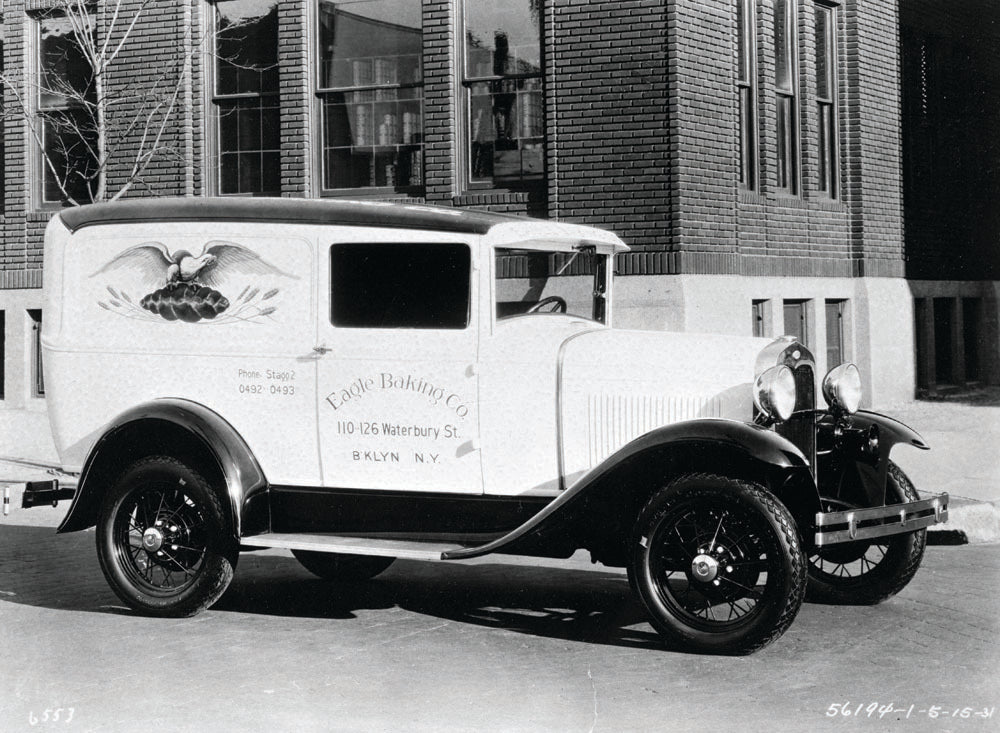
705,568
152,539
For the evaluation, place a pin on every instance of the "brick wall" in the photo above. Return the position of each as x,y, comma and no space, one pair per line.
609,151
873,136
642,120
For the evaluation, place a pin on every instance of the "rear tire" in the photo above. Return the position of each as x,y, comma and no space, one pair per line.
163,539
718,564
343,568
867,573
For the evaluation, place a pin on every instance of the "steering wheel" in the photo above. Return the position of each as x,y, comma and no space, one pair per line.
559,303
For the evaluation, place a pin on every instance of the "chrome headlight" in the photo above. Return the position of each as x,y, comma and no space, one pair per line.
774,393
842,388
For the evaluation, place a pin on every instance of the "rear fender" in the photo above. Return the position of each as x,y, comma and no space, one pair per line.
603,504
187,431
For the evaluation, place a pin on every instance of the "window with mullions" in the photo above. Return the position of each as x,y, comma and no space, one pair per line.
746,84
504,100
826,99
786,102
370,87
246,97
65,112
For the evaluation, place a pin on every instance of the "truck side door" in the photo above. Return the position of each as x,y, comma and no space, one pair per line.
398,391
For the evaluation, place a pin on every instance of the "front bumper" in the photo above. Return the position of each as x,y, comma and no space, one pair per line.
834,528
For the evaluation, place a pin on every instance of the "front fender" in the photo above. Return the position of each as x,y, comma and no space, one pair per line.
854,455
611,491
187,431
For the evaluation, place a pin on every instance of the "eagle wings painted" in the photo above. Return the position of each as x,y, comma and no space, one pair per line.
217,261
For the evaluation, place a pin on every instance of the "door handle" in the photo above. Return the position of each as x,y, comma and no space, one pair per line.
321,349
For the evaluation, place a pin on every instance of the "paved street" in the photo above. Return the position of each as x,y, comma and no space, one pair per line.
497,645
501,644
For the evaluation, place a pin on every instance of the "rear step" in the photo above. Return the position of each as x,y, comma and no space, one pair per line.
407,549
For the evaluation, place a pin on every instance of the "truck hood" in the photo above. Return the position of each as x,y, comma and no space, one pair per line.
615,385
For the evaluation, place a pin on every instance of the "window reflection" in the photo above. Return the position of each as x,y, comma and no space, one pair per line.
371,92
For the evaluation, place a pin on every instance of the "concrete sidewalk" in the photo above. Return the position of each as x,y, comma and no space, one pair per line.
962,428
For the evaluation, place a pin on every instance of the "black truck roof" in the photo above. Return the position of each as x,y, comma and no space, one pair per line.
285,211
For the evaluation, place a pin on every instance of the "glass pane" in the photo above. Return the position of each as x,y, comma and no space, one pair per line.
782,46
383,286
834,333
538,282
249,137
370,43
64,70
503,38
825,148
795,320
742,38
783,139
747,123
507,127
758,317
69,143
823,52
373,138
246,46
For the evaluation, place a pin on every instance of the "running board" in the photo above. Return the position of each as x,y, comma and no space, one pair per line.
406,549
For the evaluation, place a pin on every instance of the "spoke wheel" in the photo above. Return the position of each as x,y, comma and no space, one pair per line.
162,539
718,564
866,573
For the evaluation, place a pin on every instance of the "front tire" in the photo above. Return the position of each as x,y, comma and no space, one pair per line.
718,564
867,573
344,568
163,539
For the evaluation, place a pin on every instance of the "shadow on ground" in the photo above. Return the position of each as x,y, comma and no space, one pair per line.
42,569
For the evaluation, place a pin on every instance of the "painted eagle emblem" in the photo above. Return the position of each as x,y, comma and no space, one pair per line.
210,267
188,284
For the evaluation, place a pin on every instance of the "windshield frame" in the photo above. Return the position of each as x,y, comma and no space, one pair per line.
599,287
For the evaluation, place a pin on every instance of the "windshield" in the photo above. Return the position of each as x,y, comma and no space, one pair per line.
534,282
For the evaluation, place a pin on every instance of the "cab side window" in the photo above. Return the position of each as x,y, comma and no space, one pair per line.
412,285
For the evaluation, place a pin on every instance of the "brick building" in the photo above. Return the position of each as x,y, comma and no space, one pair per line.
749,151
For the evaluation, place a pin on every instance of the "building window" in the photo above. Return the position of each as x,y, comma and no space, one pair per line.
37,377
796,323
759,324
971,335
385,286
504,102
248,136
834,333
370,86
68,164
746,83
786,102
826,100
944,322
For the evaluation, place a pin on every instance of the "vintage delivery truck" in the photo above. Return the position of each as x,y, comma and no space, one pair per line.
363,381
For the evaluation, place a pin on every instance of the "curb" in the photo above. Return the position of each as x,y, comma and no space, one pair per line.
969,522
